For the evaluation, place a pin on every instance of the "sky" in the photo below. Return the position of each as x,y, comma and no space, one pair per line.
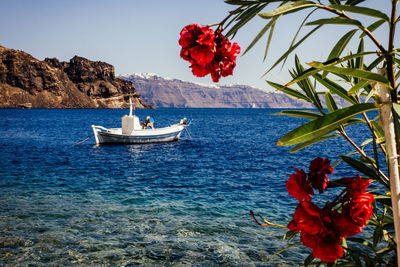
142,36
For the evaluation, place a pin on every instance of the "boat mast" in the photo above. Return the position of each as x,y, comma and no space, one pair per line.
130,107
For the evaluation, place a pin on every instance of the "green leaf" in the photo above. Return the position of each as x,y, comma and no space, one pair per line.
299,114
245,17
335,20
360,60
289,235
358,86
290,92
341,44
396,108
334,88
354,2
290,50
377,236
288,8
271,32
362,10
308,87
323,125
312,71
385,200
298,31
260,34
373,27
243,3
314,141
361,167
308,260
379,132
362,74
330,102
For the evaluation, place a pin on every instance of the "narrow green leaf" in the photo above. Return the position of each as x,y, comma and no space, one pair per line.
341,44
360,60
358,86
335,20
375,63
290,50
373,27
271,32
362,74
330,102
260,34
243,3
308,87
334,88
362,10
314,141
312,71
385,200
288,8
290,92
299,114
298,31
308,260
244,18
379,132
370,94
396,108
361,167
354,2
377,236
323,125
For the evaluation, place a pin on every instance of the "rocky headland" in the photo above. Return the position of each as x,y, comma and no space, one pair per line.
80,83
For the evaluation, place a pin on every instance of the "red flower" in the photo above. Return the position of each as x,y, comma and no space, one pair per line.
194,34
319,168
317,231
208,52
357,184
328,249
199,71
201,54
307,218
346,226
360,208
298,186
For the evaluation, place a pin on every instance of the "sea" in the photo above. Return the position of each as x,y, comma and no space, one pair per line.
64,202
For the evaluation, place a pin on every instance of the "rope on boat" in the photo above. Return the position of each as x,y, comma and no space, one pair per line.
81,141
187,131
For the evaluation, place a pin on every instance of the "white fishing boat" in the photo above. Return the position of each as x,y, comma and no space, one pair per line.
132,132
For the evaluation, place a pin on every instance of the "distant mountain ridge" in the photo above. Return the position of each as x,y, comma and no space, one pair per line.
167,92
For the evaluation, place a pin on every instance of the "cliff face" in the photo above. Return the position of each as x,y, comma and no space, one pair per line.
80,83
163,92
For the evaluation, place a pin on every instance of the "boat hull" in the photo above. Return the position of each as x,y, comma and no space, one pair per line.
161,135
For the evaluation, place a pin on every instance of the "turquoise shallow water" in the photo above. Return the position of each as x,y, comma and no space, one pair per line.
180,203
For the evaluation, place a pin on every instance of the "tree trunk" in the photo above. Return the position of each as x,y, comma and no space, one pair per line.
386,118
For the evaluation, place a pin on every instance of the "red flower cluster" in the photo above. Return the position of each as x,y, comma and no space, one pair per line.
208,52
300,187
322,230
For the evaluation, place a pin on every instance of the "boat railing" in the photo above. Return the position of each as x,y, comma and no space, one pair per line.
100,127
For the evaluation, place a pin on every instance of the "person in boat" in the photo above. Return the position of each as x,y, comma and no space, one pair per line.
149,123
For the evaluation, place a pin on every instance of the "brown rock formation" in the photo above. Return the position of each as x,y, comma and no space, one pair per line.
80,83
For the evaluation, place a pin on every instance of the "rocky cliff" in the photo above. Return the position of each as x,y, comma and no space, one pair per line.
164,92
79,83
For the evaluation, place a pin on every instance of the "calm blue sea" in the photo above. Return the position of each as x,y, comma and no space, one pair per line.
180,203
